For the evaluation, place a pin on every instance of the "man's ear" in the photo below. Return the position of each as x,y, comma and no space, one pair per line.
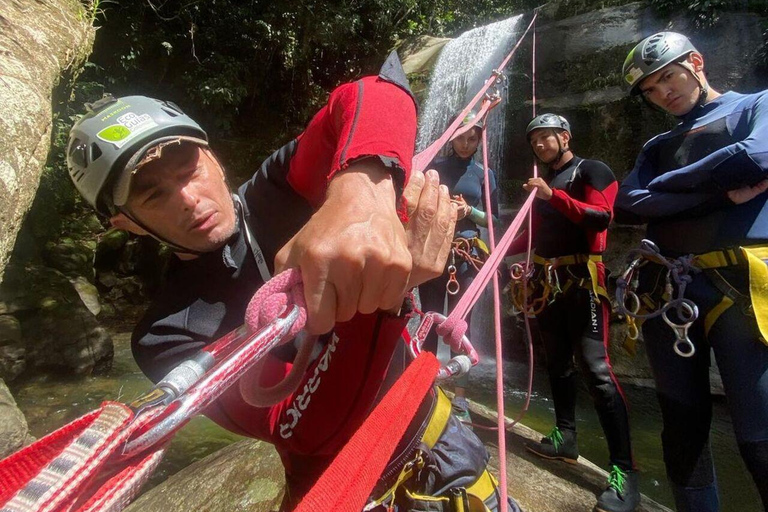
696,60
121,221
566,138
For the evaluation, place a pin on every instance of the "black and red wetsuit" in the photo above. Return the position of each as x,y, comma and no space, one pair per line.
575,222
205,298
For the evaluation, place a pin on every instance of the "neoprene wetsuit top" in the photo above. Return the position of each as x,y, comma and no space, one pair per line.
680,179
575,220
465,177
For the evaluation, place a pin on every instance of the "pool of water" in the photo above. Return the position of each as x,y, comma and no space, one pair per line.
738,493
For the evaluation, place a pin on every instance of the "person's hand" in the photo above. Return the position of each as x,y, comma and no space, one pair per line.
744,194
542,189
353,253
462,208
432,221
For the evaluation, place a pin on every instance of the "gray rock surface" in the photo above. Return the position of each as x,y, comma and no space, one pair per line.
51,318
244,477
14,433
38,41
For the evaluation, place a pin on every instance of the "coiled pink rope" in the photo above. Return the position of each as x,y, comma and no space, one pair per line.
280,292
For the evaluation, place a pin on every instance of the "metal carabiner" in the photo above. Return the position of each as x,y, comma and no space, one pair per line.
452,286
215,382
459,365
683,345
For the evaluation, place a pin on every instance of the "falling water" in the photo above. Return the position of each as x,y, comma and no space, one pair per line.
462,68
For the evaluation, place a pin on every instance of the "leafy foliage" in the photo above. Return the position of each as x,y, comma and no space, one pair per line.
706,13
236,63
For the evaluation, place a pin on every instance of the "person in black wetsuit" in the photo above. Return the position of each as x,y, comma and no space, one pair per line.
571,213
464,178
701,188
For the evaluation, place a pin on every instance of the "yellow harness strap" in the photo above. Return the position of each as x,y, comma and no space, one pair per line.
435,426
758,286
572,259
476,494
752,257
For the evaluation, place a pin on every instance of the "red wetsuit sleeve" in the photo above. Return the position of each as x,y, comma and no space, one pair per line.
369,117
596,210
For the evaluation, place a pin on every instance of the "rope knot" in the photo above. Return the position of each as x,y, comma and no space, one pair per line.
453,330
269,301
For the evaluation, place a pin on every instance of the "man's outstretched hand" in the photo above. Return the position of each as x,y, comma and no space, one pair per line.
354,253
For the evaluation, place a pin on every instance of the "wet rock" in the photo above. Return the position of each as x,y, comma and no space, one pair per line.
14,432
244,477
57,324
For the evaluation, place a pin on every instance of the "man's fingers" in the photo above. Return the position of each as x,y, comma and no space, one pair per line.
412,191
427,207
321,303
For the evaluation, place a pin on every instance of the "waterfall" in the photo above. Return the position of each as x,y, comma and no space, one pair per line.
462,68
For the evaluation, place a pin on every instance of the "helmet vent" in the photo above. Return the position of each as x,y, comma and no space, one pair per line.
95,151
172,109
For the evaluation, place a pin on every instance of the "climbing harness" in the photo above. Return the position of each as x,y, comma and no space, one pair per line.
550,277
473,251
678,275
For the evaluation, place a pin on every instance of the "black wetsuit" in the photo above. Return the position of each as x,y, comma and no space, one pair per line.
678,186
575,222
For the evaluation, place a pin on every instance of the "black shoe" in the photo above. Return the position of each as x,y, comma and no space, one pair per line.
622,494
559,445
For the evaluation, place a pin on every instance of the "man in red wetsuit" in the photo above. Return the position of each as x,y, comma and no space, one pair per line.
572,210
331,203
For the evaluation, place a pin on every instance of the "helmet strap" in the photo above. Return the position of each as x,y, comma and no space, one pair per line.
173,246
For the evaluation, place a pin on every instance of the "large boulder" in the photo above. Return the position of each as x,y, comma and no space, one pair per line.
14,432
51,323
244,477
38,41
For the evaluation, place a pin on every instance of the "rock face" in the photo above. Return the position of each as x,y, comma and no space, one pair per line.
47,322
38,41
244,477
13,427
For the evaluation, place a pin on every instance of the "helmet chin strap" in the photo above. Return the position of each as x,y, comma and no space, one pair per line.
703,86
560,152
173,246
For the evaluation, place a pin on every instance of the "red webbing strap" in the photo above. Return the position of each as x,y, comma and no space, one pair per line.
348,482
21,467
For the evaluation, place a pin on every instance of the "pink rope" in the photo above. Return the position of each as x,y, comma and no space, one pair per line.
502,438
270,300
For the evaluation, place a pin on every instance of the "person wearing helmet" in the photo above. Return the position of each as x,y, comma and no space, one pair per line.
571,213
330,203
701,189
465,179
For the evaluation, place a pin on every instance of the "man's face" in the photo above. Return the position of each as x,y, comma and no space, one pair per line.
466,144
672,88
183,197
544,142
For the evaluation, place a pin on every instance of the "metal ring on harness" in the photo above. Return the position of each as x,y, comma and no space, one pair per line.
458,365
215,382
683,345
452,286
